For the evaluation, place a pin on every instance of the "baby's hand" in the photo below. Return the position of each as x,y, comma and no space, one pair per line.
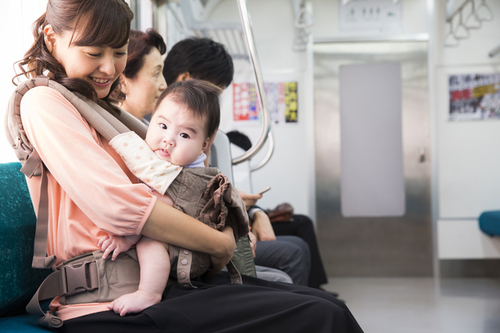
115,244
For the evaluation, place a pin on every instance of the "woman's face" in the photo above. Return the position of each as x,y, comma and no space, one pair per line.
98,65
144,89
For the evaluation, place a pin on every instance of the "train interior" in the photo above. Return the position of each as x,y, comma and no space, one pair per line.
379,119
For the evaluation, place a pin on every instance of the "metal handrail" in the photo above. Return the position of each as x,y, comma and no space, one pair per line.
259,83
266,158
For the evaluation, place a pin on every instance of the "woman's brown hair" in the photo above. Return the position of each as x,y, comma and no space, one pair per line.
98,22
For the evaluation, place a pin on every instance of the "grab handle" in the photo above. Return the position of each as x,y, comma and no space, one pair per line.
266,118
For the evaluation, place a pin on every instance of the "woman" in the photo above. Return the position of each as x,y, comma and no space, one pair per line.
82,44
142,81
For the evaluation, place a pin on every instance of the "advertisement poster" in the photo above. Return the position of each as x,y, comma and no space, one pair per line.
281,98
474,96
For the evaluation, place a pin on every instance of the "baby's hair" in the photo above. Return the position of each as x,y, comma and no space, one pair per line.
201,97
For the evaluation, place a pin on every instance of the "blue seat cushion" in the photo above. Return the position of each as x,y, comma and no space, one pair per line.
23,323
18,281
489,222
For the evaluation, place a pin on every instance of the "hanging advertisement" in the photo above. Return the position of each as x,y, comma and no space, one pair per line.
474,96
281,99
370,17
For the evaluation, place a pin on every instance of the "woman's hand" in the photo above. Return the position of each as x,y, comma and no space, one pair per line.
220,260
261,227
249,199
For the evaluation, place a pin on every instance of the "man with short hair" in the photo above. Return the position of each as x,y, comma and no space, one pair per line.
205,59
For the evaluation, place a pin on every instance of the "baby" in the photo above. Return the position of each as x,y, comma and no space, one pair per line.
186,118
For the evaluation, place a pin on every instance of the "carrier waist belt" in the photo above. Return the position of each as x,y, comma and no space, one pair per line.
86,279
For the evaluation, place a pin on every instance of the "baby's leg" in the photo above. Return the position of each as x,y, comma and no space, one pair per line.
154,262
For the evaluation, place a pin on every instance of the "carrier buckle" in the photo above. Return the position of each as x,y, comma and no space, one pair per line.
79,278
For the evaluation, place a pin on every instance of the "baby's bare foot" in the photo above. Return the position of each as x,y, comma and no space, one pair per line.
134,302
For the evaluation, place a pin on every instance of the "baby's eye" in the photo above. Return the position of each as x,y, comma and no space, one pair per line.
94,55
184,136
163,126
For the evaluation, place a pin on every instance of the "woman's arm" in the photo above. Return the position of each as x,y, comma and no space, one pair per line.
169,225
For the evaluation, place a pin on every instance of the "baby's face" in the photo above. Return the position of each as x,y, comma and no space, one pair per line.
175,134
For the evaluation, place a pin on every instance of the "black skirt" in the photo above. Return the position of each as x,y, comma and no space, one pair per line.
218,306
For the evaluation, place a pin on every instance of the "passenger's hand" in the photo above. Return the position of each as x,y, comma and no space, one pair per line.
249,199
220,260
113,244
262,227
253,242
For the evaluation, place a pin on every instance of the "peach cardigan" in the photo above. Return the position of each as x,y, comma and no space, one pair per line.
91,191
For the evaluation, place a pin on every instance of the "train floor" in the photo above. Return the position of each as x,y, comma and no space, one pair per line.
422,305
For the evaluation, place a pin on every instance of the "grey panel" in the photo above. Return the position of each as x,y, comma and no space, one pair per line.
372,181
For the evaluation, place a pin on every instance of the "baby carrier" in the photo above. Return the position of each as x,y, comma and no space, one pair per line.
85,278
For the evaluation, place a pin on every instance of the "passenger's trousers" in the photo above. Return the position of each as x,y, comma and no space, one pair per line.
289,254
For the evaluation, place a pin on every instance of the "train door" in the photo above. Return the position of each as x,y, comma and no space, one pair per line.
359,233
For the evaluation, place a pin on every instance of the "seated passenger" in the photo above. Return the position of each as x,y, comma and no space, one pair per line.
142,81
302,225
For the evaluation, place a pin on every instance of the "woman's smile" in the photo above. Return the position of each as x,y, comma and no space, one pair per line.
100,82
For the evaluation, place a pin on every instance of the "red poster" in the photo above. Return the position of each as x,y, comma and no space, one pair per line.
282,101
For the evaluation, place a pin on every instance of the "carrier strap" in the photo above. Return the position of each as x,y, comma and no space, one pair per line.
234,274
184,262
40,258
